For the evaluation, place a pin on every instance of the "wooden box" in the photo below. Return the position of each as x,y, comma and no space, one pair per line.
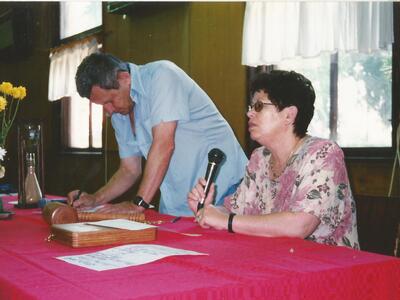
84,235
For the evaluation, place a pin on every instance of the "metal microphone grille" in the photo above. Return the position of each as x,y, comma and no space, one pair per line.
216,156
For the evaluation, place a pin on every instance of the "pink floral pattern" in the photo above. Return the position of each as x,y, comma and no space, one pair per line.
315,181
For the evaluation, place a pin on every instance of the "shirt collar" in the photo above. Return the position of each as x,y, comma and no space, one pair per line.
136,82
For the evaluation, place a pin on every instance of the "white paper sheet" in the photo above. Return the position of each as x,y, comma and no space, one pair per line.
121,224
124,256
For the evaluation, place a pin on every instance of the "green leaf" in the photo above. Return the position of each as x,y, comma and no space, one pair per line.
346,241
314,194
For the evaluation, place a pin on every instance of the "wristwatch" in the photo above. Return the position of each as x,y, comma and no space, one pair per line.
140,202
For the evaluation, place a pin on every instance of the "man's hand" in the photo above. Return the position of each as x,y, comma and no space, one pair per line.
83,201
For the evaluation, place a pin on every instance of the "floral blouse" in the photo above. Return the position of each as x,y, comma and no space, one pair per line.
315,181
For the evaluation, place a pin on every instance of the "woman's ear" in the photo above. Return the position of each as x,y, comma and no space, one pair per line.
290,114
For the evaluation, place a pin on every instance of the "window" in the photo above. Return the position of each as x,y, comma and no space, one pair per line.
350,52
82,120
353,97
77,17
82,123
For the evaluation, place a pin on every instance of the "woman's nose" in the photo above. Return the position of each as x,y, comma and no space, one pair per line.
250,113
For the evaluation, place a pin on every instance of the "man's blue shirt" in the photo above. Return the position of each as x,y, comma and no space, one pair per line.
162,92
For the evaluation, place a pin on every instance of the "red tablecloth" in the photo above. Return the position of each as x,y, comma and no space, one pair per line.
237,267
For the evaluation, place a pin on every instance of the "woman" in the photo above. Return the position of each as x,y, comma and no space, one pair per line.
295,185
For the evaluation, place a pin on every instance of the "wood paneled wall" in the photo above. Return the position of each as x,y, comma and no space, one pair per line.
215,59
202,38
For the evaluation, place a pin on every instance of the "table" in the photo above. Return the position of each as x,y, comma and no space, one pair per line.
237,267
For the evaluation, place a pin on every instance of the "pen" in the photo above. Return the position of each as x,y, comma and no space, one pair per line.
176,219
77,196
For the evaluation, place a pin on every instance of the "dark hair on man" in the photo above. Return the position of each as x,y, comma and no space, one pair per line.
98,69
288,88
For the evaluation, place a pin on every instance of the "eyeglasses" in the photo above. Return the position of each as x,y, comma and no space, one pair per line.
258,106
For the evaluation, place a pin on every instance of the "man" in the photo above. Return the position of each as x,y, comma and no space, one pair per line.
160,113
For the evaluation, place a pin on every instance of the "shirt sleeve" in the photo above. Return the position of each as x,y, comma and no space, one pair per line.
170,94
322,185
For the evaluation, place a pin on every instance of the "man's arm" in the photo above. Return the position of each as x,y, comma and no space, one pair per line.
157,164
126,175
158,159
129,170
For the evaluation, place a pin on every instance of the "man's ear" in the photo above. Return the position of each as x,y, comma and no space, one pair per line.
290,114
124,76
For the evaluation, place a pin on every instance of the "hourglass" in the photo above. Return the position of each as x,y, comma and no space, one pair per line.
30,165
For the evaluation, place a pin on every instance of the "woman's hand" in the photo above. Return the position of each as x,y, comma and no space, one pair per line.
211,216
197,194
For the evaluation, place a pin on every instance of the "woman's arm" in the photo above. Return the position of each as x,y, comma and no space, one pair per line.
290,224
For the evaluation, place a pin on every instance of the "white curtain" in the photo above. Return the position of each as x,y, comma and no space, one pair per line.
274,31
63,66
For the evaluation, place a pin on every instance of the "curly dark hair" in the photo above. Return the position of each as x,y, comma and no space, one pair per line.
288,88
98,69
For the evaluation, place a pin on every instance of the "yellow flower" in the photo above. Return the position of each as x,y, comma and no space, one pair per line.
8,111
21,94
3,103
6,88
16,93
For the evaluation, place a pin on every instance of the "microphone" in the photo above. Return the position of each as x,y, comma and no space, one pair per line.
215,157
